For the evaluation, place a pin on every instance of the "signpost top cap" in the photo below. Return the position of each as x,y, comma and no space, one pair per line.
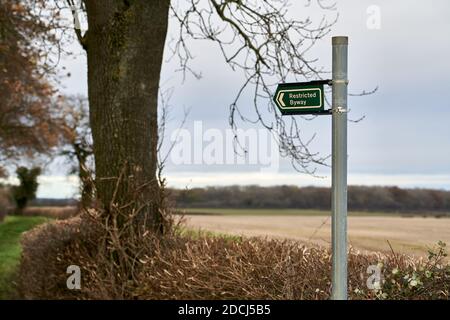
340,40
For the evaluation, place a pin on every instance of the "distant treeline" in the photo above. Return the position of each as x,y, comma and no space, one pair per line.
359,198
49,202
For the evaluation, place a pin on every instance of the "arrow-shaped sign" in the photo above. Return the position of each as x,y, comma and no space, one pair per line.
299,98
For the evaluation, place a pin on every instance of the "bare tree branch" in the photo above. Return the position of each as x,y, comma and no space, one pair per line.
76,22
162,126
259,39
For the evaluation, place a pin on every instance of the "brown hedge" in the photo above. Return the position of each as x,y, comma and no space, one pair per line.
123,264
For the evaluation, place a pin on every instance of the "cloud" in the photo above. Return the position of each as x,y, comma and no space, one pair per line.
406,127
199,179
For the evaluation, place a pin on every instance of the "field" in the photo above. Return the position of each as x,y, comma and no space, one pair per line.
273,212
367,231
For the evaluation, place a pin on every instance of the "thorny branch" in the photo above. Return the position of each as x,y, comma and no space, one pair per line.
75,6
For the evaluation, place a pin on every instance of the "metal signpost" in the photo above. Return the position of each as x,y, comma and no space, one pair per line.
307,98
339,169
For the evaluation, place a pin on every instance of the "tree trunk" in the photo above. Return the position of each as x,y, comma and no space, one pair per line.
125,45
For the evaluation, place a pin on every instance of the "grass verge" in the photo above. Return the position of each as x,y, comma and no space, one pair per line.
201,233
10,232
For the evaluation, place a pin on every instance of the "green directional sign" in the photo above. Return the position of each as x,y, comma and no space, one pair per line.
299,98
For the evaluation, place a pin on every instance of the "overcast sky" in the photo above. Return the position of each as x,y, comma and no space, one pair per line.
404,138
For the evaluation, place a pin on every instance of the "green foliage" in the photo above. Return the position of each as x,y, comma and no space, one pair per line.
428,279
26,191
10,233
